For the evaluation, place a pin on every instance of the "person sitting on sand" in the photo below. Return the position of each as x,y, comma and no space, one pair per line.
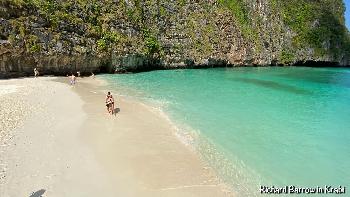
110,103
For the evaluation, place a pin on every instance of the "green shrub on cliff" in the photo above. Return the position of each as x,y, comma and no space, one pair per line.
102,45
238,9
32,45
317,24
287,57
243,20
152,46
108,40
180,29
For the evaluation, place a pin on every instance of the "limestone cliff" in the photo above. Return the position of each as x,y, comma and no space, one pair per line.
62,36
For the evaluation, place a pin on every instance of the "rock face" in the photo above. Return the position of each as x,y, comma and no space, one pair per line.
63,36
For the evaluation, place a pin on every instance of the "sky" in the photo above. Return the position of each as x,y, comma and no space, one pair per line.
347,13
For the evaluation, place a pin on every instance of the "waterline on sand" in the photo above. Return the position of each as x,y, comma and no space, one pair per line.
256,125
234,177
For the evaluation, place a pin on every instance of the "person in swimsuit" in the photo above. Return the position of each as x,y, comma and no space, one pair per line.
72,79
110,103
36,72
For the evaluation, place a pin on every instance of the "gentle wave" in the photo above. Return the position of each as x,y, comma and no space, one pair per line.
233,173
255,126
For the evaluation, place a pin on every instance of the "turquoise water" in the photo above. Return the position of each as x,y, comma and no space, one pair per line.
257,126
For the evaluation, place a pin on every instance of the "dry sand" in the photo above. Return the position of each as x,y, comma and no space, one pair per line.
62,142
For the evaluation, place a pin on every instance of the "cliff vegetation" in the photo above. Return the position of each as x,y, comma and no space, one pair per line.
61,36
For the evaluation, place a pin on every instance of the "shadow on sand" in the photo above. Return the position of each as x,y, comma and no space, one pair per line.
38,193
116,110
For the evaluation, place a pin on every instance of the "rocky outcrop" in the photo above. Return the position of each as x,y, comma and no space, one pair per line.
59,37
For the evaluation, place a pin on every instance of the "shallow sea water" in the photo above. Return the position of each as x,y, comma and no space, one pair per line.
257,126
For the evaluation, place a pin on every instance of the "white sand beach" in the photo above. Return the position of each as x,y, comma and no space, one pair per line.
58,140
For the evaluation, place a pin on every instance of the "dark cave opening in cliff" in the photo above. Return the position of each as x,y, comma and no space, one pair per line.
313,63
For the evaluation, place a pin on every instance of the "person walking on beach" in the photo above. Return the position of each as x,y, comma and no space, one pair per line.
72,79
36,72
78,73
110,103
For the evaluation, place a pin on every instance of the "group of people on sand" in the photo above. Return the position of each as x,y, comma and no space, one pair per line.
71,77
109,97
73,80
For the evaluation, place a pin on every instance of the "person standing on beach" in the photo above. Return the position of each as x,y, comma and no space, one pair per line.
110,103
36,72
78,73
72,79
